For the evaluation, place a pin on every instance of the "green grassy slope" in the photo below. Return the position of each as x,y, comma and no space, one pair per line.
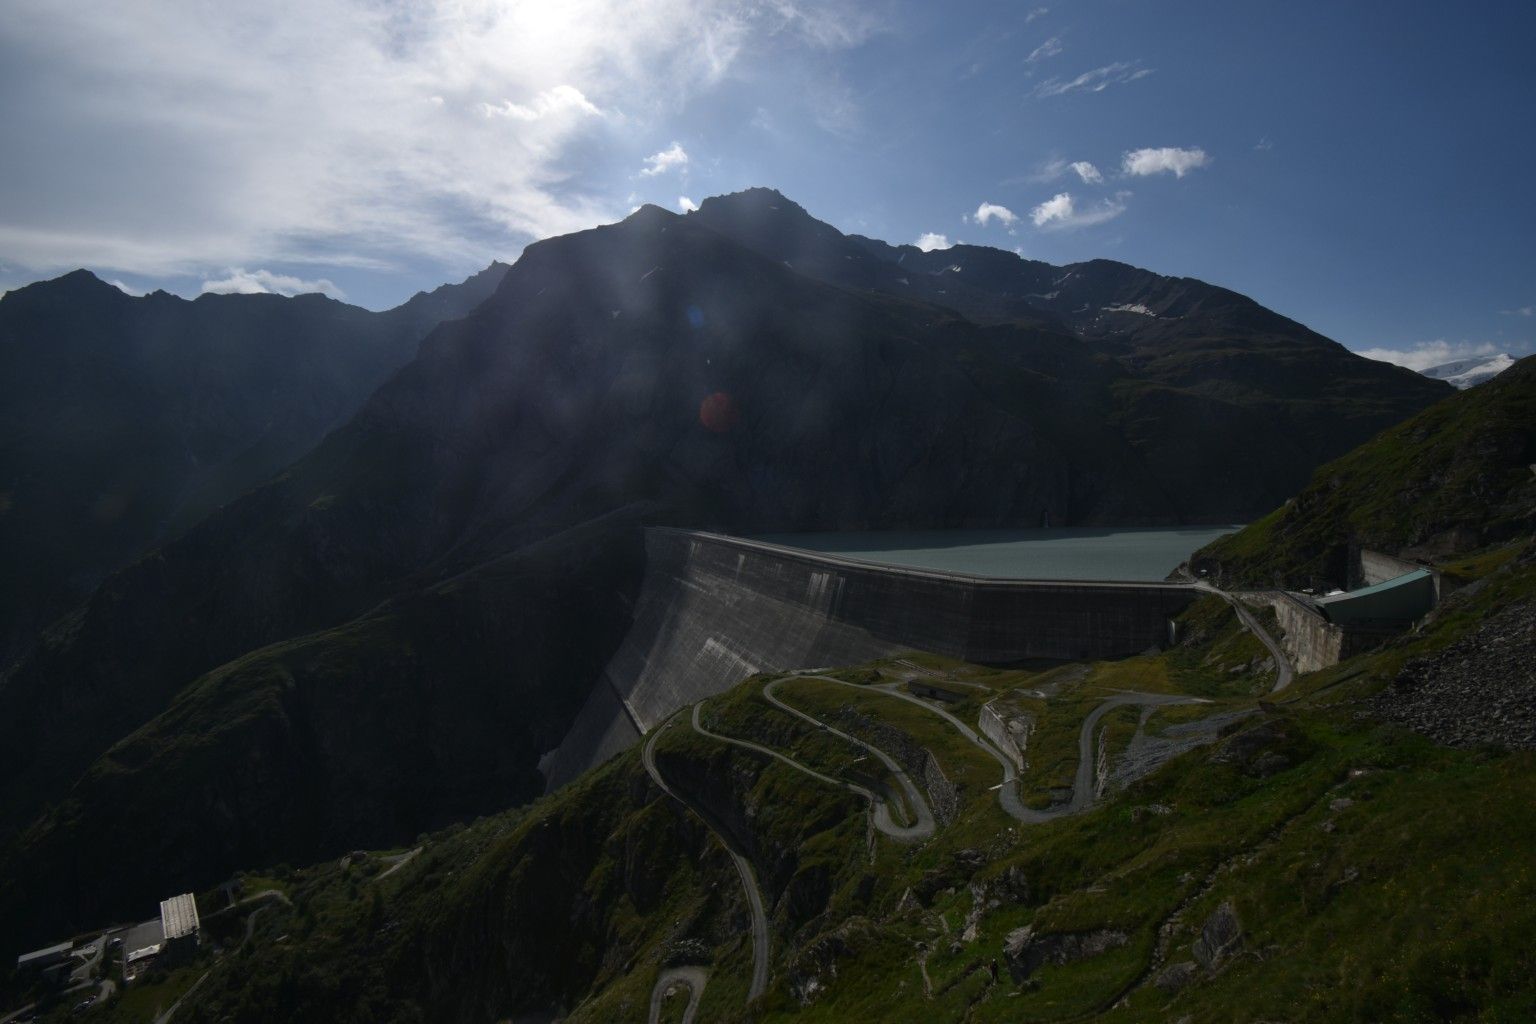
1451,479
1373,875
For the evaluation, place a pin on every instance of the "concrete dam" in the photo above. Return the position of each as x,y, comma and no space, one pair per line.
714,609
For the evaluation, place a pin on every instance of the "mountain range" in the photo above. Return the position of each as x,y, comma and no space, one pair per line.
124,420
383,635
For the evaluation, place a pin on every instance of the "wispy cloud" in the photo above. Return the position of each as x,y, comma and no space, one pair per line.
1264,145
686,205
1426,354
829,26
1061,211
1038,12
660,163
125,288
1050,48
1096,80
240,281
1086,171
1167,159
554,102
992,211
931,240
1521,311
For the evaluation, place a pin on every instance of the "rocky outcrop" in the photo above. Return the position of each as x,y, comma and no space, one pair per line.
1480,689
1220,937
1025,952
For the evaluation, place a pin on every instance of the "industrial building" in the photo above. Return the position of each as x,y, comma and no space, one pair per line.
1399,600
180,927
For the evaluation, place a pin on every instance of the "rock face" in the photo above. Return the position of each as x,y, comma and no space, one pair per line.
1025,952
1220,937
1480,689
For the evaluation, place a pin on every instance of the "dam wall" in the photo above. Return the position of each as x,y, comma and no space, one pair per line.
715,609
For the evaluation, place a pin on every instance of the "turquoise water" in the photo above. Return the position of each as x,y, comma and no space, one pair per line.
1069,553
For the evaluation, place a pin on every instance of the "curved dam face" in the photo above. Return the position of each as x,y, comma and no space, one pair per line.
715,609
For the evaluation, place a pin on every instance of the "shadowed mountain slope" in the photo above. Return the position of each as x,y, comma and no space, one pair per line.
124,420
1458,476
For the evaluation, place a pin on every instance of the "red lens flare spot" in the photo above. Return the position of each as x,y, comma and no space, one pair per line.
718,413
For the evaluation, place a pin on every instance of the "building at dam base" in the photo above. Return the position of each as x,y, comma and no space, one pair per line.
715,609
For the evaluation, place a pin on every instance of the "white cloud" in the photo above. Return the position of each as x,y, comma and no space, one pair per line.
1089,173
992,211
1050,48
172,137
240,281
554,102
1036,13
1143,162
1522,311
1264,144
1430,353
659,163
1062,211
929,241
686,205
1096,80
126,289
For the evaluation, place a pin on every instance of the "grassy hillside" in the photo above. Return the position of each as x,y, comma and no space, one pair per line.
1308,864
1454,478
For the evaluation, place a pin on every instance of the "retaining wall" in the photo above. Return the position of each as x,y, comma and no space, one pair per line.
715,609
1313,643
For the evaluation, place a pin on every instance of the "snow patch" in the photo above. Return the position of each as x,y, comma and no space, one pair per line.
1466,373
1131,307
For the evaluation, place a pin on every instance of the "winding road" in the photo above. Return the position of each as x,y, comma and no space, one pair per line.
1284,670
881,809
743,868
1008,793
693,977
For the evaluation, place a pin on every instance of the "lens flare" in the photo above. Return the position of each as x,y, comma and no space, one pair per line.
718,413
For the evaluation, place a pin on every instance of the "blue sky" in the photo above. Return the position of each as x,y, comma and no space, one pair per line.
1361,167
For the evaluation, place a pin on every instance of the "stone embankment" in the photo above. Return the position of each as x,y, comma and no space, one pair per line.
915,758
1480,689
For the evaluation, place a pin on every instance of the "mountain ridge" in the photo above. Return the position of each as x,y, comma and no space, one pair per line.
127,418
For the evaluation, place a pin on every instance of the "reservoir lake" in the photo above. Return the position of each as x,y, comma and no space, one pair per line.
1065,553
